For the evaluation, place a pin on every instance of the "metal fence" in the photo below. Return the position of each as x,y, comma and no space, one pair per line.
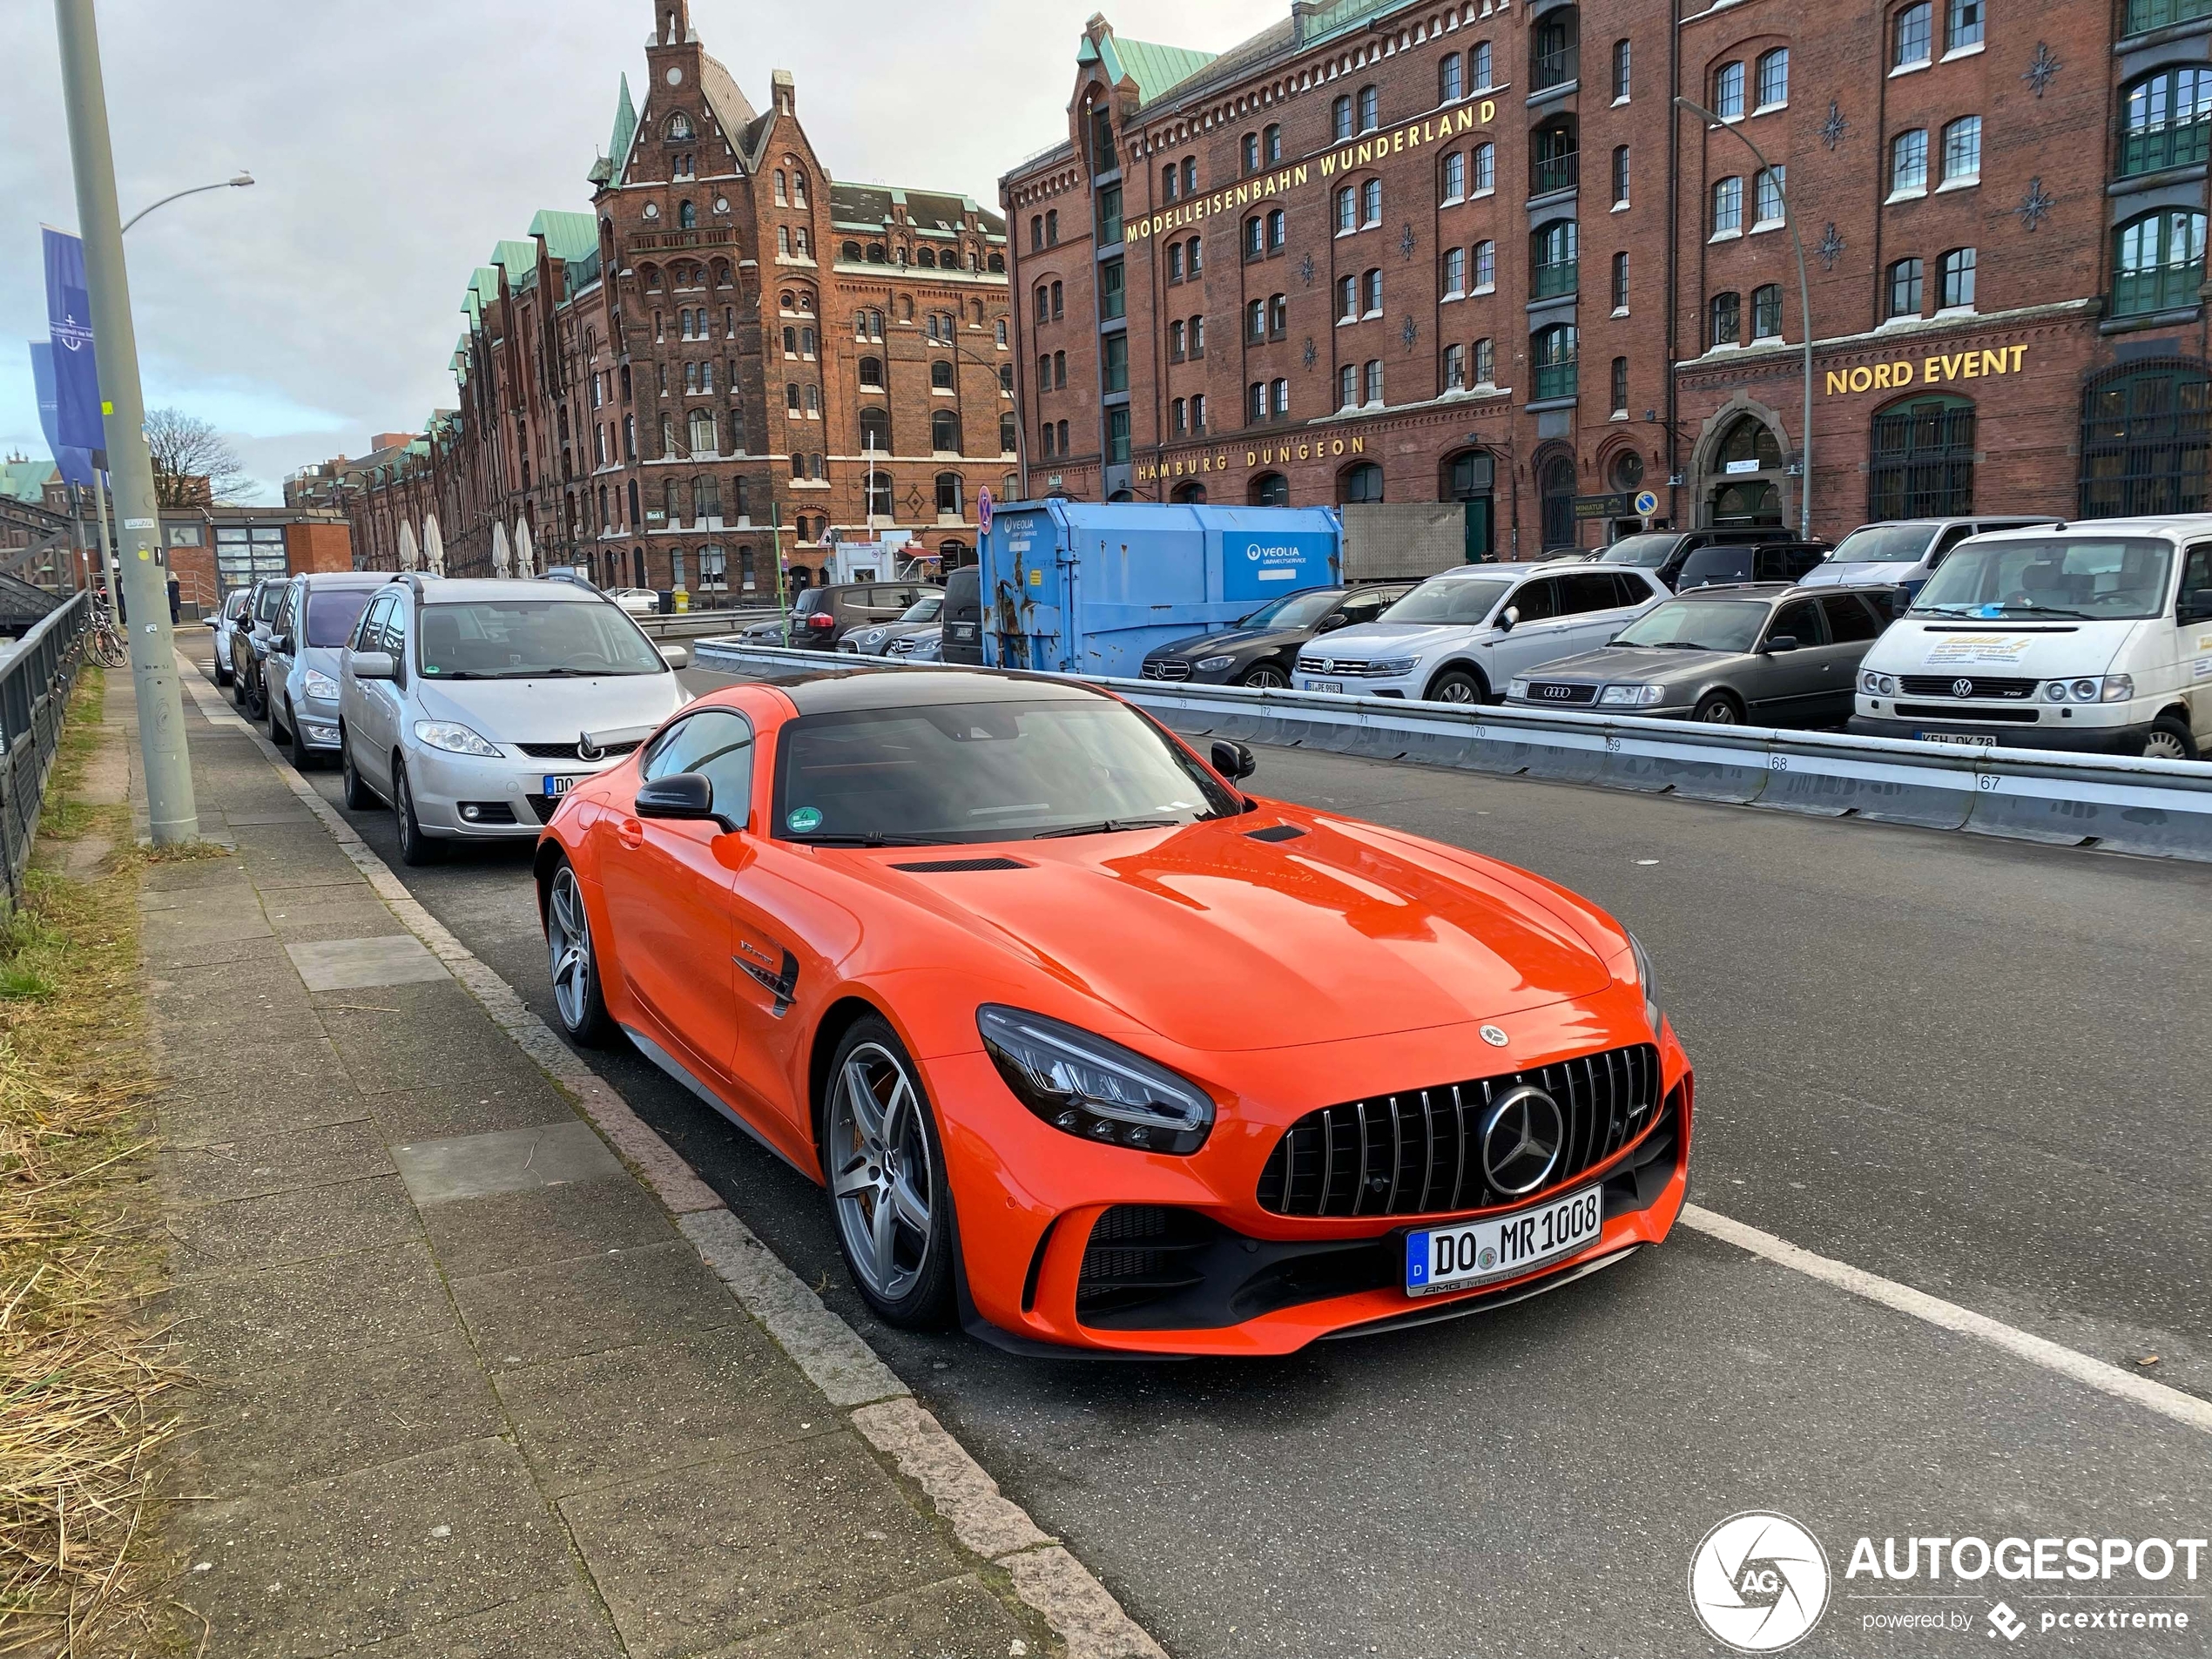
35,677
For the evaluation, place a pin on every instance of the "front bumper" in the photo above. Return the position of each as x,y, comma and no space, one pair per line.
2071,737
1682,711
1245,1280
318,724
509,794
1409,687
1183,671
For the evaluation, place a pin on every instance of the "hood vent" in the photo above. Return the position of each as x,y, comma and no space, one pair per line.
1275,833
951,867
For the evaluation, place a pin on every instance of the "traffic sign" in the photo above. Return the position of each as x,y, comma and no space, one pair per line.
1646,503
983,509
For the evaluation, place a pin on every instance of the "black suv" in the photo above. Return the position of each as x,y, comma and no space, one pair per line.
1770,560
1664,552
962,617
821,616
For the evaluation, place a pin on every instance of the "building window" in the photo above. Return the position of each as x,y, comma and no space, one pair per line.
1552,57
1771,186
687,216
2158,263
1449,86
1278,315
1921,463
1197,336
1362,485
1554,350
1113,364
1724,320
1455,273
1055,305
1178,418
1112,300
1347,214
1479,74
1189,175
1965,25
2145,437
1052,227
1905,288
1279,397
1621,176
1455,178
1455,369
1036,233
1371,202
1174,261
1620,71
1195,261
1256,403
1198,415
941,375
1060,370
1553,259
1255,238
1774,79
1117,435
1957,279
875,430
1271,144
1728,91
1486,362
1251,152
1109,214
1486,169
1619,386
1347,298
1909,164
1486,267
1370,109
1912,37
1348,387
1175,341
1962,152
876,491
1277,229
1372,381
1370,294
1270,489
1554,157
1340,119
2165,120
1766,312
1044,304
1621,282
944,432
949,495
1728,207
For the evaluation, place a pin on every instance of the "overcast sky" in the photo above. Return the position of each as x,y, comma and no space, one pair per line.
394,144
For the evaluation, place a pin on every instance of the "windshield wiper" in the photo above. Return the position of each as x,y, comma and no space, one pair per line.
2045,610
1108,826
873,838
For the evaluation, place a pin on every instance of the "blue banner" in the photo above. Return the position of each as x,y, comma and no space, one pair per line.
75,464
78,424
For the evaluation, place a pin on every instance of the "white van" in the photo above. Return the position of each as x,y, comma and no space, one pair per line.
2095,636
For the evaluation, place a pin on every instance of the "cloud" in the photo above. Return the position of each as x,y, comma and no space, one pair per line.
396,145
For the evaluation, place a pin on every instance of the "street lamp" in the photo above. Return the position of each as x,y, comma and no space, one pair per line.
241,182
1805,309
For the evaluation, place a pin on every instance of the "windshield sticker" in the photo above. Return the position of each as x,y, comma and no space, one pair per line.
1981,648
805,819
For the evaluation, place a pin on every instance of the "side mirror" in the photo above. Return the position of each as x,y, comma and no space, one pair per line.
280,644
688,795
1509,619
1780,642
1330,623
215,622
676,655
373,665
1233,760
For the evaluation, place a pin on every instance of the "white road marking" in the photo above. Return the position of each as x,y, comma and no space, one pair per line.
1949,1316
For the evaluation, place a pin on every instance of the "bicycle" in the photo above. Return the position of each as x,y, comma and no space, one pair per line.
106,644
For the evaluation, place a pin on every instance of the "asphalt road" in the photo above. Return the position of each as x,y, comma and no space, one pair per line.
1972,1066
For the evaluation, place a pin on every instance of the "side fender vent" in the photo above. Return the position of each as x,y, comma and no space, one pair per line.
1275,833
951,866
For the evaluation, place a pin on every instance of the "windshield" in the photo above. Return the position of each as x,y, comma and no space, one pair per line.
331,615
924,609
1451,599
1645,552
2092,577
1883,545
1295,609
1699,624
513,639
984,772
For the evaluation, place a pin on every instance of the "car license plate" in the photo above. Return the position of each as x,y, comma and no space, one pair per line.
1959,740
558,786
962,631
1443,1258
1324,686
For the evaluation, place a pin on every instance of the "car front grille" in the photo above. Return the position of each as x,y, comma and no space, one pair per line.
1420,1152
568,752
1348,668
1976,684
1139,1253
1563,692
900,647
1956,711
1168,671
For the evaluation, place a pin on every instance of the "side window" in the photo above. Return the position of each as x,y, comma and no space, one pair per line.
1850,620
1946,542
2196,577
718,744
1363,607
1593,591
370,634
1800,621
1538,600
1630,588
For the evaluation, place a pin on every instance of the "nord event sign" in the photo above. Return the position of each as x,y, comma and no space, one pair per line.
1936,368
1432,130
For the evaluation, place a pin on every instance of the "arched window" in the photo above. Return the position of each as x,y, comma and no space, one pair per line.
1552,258
996,262
687,216
1554,350
944,431
871,373
2146,434
926,256
850,253
1747,439
1728,91
1340,119
1555,491
1552,48
1921,463
1773,82
1470,476
1370,109
1360,485
702,432
1554,156
1766,312
1251,152
1450,87
1188,493
1270,489
949,495
797,189
2158,262
1724,320
2165,119
940,376
875,430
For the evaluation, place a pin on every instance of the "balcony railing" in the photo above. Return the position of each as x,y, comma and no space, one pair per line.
2136,15
1557,67
1553,279
2162,287
2165,143
1554,380
1548,173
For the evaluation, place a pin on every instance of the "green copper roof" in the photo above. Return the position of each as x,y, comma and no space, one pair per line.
484,288
568,236
25,480
1154,68
625,126
519,257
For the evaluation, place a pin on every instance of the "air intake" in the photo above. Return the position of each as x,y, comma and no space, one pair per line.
953,866
1275,833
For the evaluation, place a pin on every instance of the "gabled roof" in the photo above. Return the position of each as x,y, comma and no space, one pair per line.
568,236
740,125
26,480
1154,68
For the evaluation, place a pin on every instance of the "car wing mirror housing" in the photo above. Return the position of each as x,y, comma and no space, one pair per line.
373,665
1781,642
1233,760
1330,623
1508,619
683,795
676,655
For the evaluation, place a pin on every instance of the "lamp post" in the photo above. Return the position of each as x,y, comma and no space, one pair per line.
241,182
1805,310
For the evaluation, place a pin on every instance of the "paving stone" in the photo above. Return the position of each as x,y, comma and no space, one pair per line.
516,1160
623,1413
237,819
566,1624
192,1114
243,1167
720,1552
169,932
469,1107
159,955
418,1037
291,1226
234,1323
333,1564
353,964
656,1293
509,1229
318,915
958,1618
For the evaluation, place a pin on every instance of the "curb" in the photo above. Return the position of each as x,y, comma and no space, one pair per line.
834,1356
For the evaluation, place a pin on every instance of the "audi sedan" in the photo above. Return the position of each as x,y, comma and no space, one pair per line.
1089,1048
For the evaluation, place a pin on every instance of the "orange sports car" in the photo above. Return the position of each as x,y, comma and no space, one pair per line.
1086,1044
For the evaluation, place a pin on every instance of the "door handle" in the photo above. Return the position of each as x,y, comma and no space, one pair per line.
630,833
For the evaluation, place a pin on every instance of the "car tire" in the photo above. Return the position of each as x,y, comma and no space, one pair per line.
416,849
1717,708
223,676
2168,739
871,1152
1456,686
358,797
1265,677
269,718
296,751
572,963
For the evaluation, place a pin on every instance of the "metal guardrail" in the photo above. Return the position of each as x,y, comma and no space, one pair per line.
35,680
2158,808
690,625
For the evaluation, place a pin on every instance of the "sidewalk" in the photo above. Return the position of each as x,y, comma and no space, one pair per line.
470,1386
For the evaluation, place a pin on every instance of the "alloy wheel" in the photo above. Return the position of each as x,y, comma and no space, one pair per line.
567,941
1455,690
1720,712
1267,677
882,1178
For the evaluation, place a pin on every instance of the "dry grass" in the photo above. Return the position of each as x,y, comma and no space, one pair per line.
85,1403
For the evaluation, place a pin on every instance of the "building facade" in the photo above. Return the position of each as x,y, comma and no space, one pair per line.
731,359
1390,250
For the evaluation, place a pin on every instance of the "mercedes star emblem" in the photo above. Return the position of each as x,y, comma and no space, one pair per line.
1522,1140
1494,1037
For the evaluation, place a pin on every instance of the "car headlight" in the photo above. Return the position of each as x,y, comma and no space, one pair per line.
1635,697
1211,664
1650,986
1390,665
2118,688
455,740
2109,688
1877,684
1517,688
1091,1088
320,684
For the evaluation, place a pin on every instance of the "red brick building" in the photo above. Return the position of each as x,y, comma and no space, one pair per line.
1389,250
730,355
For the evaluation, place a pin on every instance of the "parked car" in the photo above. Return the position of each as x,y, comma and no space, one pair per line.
577,575
875,639
1663,552
1740,561
944,933
963,615
1460,636
923,645
638,602
2090,637
302,669
250,650
1905,552
226,622
1767,652
822,616
1262,648
472,707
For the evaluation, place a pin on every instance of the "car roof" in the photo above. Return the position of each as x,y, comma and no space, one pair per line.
839,693
2171,527
1464,572
475,589
314,579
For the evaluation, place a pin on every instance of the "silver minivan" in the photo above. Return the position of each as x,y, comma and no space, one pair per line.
312,627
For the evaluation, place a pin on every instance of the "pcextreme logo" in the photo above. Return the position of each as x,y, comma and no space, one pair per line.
1759,1582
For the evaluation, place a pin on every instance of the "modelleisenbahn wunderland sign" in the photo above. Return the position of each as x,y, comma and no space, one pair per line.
1346,159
